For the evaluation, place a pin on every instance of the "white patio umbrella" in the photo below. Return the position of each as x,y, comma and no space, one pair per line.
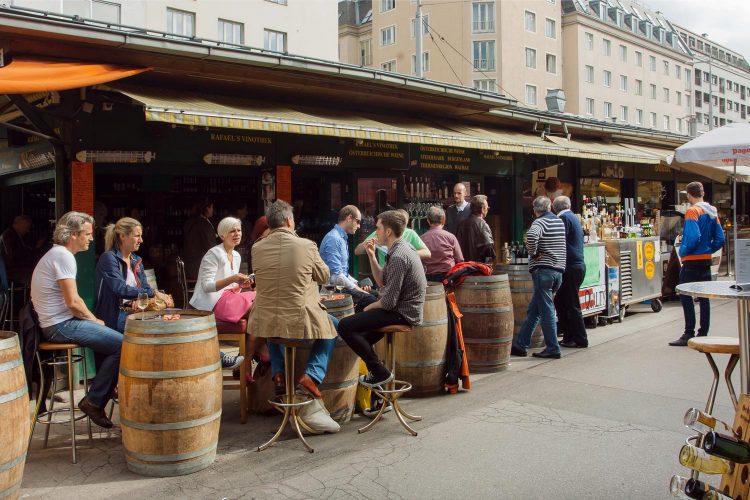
721,152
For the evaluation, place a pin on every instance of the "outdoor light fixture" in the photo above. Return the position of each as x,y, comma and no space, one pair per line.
115,156
34,159
316,160
234,159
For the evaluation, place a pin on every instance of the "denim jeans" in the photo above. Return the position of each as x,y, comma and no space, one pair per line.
689,274
542,308
317,362
105,343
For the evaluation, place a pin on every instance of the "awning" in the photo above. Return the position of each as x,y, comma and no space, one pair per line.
25,75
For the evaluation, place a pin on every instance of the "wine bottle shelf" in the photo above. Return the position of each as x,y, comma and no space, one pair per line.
737,483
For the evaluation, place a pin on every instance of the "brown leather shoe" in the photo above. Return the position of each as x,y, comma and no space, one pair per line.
279,383
309,384
95,413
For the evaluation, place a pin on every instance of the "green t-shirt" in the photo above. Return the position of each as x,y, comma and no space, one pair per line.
410,236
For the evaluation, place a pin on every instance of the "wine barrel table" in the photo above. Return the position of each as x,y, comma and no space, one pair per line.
339,387
420,356
521,291
487,324
14,414
170,394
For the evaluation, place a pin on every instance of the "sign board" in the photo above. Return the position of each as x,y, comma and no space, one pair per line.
82,187
742,261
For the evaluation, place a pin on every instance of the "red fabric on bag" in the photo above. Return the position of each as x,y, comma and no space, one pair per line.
232,306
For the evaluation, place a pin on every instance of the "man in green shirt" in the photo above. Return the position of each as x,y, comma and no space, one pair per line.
409,236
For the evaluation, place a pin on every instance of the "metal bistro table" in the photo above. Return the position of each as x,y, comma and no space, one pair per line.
722,290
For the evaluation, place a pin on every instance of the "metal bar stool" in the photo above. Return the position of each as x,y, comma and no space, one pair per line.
290,403
395,388
718,345
68,359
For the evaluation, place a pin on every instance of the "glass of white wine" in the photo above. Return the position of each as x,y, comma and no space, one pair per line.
142,304
340,283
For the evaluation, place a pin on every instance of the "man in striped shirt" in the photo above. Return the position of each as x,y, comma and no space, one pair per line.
545,241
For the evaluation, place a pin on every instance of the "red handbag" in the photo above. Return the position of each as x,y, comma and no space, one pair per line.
232,306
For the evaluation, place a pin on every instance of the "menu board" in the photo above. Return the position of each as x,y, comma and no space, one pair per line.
284,183
82,187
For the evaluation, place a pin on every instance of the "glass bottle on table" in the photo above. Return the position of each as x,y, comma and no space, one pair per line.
693,458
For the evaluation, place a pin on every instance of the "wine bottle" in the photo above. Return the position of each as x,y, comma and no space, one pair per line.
677,486
727,447
692,458
703,422
715,495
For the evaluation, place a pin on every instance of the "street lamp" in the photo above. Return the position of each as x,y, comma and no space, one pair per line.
710,88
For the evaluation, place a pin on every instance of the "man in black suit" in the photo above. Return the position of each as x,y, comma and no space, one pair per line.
458,212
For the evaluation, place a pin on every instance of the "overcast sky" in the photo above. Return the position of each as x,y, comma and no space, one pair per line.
723,20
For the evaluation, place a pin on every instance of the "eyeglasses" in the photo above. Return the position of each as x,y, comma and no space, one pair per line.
358,221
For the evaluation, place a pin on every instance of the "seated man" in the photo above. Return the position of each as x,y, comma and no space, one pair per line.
288,273
334,250
401,299
443,246
64,317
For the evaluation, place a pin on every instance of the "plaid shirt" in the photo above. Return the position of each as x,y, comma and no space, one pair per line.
404,282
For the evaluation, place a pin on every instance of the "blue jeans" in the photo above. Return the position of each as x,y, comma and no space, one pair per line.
317,362
105,343
689,274
542,308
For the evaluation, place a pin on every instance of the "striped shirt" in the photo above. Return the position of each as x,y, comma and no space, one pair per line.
404,282
545,241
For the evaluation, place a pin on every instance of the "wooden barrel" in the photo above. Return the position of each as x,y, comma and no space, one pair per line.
151,278
339,388
170,394
14,415
487,324
521,290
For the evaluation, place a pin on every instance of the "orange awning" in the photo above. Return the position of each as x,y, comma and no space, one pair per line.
25,75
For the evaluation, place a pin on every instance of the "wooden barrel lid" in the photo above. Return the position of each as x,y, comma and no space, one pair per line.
718,345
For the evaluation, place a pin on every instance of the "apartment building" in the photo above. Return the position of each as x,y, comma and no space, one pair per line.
306,28
355,32
721,82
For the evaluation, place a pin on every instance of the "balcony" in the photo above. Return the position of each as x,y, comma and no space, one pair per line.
487,26
484,64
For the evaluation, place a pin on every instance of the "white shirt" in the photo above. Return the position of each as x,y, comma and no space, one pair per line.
214,267
46,295
460,207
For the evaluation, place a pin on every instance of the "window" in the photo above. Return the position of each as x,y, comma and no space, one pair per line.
531,95
623,53
652,63
386,5
389,66
530,58
652,92
588,40
105,11
484,55
483,17
678,124
425,25
666,68
666,122
387,36
529,21
487,85
624,113
180,22
606,47
551,63
639,117
589,106
653,120
688,78
639,87
678,71
623,83
666,94
550,30
639,59
231,32
607,109
607,78
365,52
589,74
425,62
679,98
274,40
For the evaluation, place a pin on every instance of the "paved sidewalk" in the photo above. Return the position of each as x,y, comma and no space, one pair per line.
602,422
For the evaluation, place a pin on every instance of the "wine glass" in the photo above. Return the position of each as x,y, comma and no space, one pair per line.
142,304
328,286
339,282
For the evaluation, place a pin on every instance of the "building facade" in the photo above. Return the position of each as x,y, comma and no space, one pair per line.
303,28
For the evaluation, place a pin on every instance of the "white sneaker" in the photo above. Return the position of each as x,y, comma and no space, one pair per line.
317,417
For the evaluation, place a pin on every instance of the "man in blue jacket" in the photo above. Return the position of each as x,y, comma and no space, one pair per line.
701,236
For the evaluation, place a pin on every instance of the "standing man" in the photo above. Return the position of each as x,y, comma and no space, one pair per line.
334,250
545,241
701,236
474,234
288,274
444,248
401,299
567,302
64,317
457,213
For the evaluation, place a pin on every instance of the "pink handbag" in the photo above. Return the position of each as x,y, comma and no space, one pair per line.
232,306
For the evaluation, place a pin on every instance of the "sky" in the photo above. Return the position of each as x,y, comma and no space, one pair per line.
723,20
